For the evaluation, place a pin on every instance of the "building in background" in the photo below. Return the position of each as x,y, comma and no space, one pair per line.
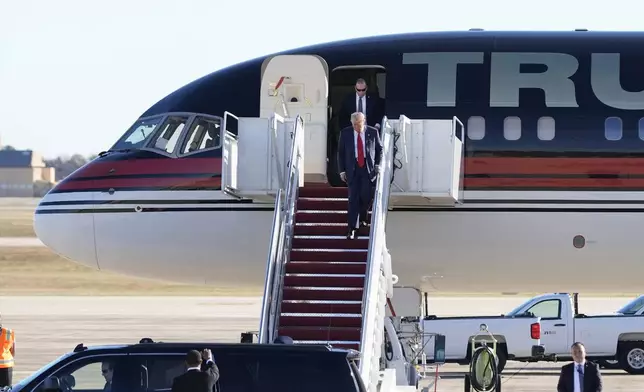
23,173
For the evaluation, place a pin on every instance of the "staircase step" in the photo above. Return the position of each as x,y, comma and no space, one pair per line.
324,217
320,321
347,346
331,243
324,333
339,230
321,255
308,307
328,192
322,204
298,294
322,267
323,281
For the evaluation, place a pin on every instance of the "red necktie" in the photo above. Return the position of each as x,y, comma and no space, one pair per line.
360,150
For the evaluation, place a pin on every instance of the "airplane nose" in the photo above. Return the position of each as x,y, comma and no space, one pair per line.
66,229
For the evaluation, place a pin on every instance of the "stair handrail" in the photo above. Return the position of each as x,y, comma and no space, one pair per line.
273,251
281,237
376,270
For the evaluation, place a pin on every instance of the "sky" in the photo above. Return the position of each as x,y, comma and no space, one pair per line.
75,74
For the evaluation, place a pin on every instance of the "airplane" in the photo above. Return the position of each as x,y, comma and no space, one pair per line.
553,175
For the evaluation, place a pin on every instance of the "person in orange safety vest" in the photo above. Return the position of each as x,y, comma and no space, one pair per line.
7,352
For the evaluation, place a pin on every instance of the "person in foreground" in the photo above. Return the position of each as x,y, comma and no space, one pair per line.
359,155
580,375
201,376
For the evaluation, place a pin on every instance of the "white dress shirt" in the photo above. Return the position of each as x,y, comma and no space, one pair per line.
355,143
575,377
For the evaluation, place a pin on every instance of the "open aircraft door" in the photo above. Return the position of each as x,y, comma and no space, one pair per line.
295,85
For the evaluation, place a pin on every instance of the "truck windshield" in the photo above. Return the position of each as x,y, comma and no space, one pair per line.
520,309
633,307
138,134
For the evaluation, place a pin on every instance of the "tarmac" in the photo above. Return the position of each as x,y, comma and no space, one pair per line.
20,242
47,327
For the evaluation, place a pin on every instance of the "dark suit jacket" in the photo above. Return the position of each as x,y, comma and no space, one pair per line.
592,378
347,152
375,110
197,381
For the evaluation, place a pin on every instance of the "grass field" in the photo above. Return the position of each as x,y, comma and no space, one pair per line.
38,271
17,221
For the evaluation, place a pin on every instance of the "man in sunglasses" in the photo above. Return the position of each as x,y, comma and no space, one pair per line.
107,370
361,101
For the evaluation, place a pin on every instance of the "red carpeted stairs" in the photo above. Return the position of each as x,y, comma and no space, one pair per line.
324,281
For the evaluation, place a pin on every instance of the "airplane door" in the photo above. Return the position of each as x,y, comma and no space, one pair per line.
295,85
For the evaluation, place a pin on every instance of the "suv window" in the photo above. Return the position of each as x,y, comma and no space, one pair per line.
93,373
283,371
261,370
161,369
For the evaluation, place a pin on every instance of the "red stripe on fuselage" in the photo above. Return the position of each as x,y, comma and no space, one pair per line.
544,166
563,183
120,183
492,166
151,166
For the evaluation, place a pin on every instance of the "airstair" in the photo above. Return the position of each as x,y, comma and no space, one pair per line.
320,287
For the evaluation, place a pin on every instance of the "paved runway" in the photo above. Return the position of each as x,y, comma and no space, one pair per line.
19,242
47,327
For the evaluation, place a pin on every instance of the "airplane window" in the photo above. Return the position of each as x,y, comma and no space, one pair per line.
613,128
640,126
512,128
547,309
168,136
205,133
138,134
546,128
475,128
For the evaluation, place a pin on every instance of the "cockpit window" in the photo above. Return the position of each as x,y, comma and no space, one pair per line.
138,134
167,137
204,133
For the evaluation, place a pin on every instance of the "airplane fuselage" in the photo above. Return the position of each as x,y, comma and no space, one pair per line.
554,169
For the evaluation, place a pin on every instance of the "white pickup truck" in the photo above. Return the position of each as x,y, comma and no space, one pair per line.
515,336
607,336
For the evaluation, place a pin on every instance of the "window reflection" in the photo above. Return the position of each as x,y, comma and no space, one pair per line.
204,133
138,134
168,136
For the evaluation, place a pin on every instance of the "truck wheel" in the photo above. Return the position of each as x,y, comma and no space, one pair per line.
609,364
631,357
502,359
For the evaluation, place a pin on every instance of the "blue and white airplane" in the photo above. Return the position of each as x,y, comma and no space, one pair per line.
553,173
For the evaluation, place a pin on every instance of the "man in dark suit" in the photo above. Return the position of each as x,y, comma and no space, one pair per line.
369,105
359,155
201,376
581,375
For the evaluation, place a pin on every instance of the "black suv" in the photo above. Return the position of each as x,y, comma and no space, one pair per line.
243,367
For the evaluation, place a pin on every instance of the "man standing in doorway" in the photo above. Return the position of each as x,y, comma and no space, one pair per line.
581,375
7,353
359,155
364,103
